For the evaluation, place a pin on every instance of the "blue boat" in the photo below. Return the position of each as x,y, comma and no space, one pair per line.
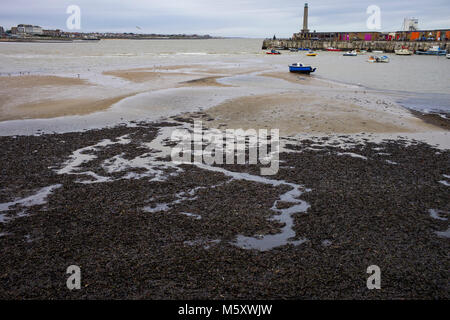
434,51
300,68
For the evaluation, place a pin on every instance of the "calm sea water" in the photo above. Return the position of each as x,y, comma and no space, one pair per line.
420,82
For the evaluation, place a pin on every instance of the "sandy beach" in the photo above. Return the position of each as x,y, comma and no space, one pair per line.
140,75
20,98
292,112
44,96
58,108
312,114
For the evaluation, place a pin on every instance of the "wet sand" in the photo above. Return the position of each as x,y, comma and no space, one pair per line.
293,114
37,97
59,108
204,82
441,120
139,76
301,79
33,81
41,104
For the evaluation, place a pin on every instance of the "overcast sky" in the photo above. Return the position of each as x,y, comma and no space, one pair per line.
243,18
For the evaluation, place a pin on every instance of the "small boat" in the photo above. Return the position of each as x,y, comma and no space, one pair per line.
293,50
384,59
433,51
448,56
311,54
273,52
377,51
303,49
300,68
350,54
403,52
375,59
333,49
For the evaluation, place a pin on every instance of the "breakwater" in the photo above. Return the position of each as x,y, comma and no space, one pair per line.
387,46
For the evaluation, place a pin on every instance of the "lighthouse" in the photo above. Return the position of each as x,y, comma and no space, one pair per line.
305,19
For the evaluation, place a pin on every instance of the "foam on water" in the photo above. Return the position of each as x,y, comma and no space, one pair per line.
206,244
81,156
444,234
435,214
351,154
391,162
36,199
39,198
192,215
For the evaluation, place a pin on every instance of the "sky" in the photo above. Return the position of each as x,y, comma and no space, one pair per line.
228,18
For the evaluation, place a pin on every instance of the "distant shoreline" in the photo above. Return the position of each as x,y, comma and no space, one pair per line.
64,40
52,40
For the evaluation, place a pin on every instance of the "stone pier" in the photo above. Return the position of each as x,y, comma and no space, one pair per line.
386,46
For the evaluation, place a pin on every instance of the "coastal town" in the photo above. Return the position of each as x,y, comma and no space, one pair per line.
410,36
31,33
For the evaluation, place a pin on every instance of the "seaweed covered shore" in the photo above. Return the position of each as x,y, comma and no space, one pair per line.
169,231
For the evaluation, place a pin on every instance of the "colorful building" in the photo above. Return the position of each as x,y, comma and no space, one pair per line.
423,35
410,33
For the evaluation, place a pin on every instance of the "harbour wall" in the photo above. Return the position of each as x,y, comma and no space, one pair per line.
386,46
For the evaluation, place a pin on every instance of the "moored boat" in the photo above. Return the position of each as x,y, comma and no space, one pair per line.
375,59
403,52
384,59
433,51
350,54
273,52
333,49
448,56
300,68
311,54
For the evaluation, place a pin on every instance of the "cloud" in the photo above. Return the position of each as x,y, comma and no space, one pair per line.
251,18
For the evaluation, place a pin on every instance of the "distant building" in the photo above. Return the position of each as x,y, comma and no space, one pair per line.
37,30
28,29
52,33
410,24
